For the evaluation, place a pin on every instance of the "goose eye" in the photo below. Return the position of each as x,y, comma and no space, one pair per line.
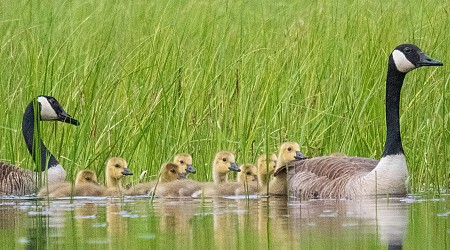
407,49
224,159
117,165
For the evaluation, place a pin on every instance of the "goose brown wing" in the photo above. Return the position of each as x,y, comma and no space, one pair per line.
15,180
325,176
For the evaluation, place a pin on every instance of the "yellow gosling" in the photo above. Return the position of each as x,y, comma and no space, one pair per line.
288,152
266,168
116,169
184,161
169,172
224,162
85,185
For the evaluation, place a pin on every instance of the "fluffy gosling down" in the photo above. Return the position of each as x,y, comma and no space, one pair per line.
85,185
116,170
169,172
288,152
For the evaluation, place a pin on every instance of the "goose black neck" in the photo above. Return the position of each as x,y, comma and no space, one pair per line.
394,82
47,160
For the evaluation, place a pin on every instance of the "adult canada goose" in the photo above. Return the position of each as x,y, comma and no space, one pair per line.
185,163
116,169
266,167
15,180
334,177
288,152
85,185
169,173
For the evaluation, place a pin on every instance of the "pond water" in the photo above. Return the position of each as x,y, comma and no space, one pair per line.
412,222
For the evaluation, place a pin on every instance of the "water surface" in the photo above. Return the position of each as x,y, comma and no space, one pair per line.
413,222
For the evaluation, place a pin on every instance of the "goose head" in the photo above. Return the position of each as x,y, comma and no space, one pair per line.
407,57
185,163
51,110
86,177
225,162
267,166
248,173
171,172
116,168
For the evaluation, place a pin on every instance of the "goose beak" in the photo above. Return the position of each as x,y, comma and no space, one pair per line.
234,167
127,171
190,169
181,176
64,117
427,61
299,156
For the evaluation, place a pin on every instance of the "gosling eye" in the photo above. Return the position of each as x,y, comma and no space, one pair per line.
248,173
88,179
172,171
117,165
289,149
182,162
224,159
407,50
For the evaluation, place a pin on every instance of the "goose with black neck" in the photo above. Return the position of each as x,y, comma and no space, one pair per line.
348,177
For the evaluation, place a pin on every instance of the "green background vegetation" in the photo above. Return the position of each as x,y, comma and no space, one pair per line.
149,79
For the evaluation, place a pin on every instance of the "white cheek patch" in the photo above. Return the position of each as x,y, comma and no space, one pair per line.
401,62
47,111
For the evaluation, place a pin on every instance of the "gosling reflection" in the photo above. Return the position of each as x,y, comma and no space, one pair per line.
117,225
85,218
175,216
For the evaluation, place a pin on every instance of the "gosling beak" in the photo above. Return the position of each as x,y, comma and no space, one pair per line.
127,171
234,167
96,183
190,169
299,156
64,117
427,61
255,178
181,176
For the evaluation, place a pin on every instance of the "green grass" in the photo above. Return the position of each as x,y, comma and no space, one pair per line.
148,80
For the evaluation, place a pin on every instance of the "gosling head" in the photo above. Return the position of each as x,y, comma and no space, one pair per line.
116,168
51,110
267,166
248,173
171,172
407,57
86,177
185,163
288,152
225,162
